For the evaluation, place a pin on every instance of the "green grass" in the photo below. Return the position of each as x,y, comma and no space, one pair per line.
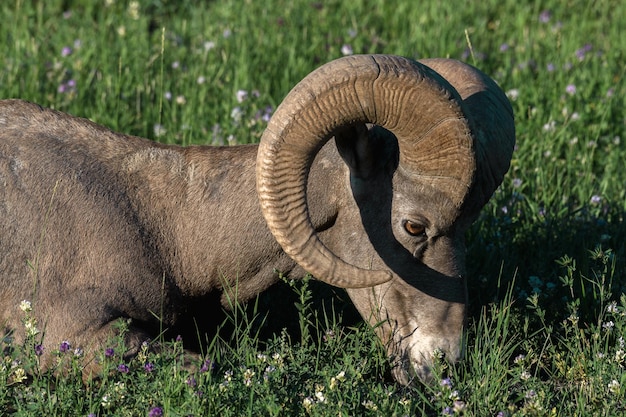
546,257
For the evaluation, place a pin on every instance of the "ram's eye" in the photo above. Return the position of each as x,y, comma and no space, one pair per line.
414,229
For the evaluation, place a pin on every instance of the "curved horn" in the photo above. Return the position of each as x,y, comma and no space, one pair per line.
491,119
409,99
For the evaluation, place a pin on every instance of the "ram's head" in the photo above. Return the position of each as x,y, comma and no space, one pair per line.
426,143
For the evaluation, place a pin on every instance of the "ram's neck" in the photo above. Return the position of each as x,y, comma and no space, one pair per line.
200,205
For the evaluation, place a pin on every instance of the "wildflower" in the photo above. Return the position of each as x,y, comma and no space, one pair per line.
207,365
227,33
369,404
208,45
65,346
458,406
517,182
133,10
242,95
30,325
446,382
247,377
201,79
236,114
123,368
544,16
608,326
346,49
38,349
550,67
78,352
228,376
26,306
519,358
504,47
175,65
352,33
181,100
307,403
341,376
550,126
155,412
167,95
612,308
191,381
66,51
109,352
580,53
269,369
570,89
614,387
19,375
447,411
319,393
595,199
525,375
513,94
105,401
148,367
159,130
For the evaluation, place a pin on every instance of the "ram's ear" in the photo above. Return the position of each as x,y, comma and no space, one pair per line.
365,148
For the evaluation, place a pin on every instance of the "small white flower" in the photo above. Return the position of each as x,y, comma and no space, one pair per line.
525,376
242,95
614,387
513,94
307,403
26,306
612,308
347,49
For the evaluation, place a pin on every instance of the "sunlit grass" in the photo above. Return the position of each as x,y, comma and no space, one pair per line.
546,258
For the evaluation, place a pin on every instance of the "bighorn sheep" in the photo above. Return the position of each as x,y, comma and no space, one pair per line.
368,175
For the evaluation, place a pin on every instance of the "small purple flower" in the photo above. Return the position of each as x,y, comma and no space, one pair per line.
155,412
517,182
446,382
38,350
179,338
595,199
123,368
109,352
191,381
66,51
582,52
149,367
550,67
504,47
65,346
570,89
544,16
207,365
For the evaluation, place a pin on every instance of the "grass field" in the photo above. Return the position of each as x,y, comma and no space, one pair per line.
547,257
